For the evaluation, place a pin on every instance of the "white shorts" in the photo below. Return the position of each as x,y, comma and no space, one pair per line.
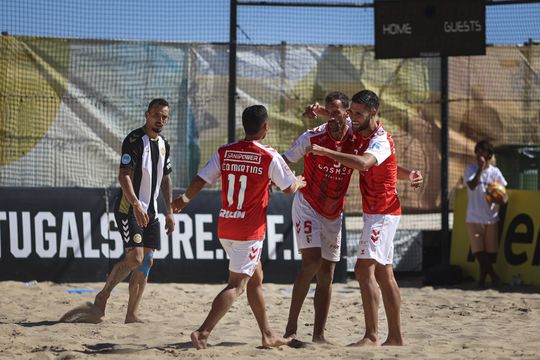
244,255
377,240
313,230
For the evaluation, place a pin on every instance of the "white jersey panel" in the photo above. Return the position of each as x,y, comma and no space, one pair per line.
211,171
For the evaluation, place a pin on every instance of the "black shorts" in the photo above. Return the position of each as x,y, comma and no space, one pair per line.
135,236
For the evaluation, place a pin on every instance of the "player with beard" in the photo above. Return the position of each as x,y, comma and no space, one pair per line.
317,209
144,171
376,161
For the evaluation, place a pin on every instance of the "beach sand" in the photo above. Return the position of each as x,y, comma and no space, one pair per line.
450,323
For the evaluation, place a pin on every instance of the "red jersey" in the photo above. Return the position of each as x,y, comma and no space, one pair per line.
378,183
246,169
327,180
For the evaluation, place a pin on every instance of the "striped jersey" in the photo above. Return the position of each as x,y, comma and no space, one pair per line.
149,160
246,169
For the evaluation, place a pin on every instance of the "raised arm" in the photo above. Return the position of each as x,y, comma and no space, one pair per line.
482,165
359,162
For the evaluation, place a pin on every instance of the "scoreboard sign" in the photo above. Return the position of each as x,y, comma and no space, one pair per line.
428,28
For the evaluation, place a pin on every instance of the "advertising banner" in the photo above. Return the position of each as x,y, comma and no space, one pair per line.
66,235
518,260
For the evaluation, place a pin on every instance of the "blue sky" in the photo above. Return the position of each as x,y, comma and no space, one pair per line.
208,21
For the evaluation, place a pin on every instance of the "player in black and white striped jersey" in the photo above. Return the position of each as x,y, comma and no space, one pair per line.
144,171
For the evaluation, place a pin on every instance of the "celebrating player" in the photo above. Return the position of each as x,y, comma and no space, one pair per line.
317,209
144,170
246,168
381,207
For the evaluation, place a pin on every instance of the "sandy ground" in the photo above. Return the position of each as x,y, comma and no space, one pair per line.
437,323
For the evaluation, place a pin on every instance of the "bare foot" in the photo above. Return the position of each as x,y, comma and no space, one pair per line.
132,319
365,342
393,342
101,301
198,339
290,332
321,340
275,341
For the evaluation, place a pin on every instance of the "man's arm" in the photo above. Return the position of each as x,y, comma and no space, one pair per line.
359,162
124,178
474,182
299,183
482,165
166,191
414,176
193,189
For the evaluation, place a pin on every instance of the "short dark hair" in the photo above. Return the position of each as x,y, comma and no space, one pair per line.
485,145
337,95
253,119
367,97
158,101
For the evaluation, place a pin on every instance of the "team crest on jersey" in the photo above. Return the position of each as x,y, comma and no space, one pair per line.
162,151
137,238
126,159
242,156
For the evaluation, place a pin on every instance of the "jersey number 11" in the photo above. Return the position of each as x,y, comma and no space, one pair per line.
230,190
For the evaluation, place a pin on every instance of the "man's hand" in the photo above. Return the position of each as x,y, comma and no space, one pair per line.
140,214
300,182
314,110
169,223
416,179
178,204
316,150
482,162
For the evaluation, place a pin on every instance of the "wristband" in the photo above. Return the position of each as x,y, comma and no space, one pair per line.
185,199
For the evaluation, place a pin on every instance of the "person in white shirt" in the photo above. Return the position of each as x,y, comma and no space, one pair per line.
482,216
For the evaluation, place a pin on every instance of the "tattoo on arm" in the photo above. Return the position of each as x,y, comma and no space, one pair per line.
166,191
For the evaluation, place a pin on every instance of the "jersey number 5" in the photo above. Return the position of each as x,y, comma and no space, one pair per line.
230,190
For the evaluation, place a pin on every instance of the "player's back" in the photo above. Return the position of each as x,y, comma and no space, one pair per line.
245,174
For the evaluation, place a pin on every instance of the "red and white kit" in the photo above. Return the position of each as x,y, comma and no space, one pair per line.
380,202
246,169
318,207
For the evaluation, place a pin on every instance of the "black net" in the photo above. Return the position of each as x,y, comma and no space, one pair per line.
76,77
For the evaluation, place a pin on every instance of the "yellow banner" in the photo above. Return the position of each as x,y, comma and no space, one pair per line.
519,243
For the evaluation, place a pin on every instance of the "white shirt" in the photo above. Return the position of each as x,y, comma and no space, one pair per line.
479,211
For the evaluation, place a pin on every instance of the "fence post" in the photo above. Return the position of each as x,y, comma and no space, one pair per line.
232,73
445,231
